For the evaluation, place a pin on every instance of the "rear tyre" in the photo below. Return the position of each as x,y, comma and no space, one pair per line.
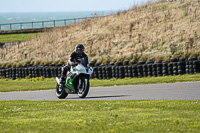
60,93
83,91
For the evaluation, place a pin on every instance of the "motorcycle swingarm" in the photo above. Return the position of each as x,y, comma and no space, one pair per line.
69,91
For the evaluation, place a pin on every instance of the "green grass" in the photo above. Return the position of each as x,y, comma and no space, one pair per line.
147,80
7,85
100,116
40,83
17,37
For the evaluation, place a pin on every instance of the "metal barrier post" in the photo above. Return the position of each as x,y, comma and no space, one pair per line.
10,26
20,25
42,24
65,21
54,23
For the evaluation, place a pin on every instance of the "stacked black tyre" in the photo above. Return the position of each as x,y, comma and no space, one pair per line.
175,68
109,72
4,73
170,69
126,71
134,71
1,75
33,72
181,67
37,72
190,67
95,72
117,72
44,71
1,72
40,71
13,73
121,72
165,68
113,72
193,65
100,75
196,66
145,70
59,71
187,67
48,72
140,71
154,70
7,73
26,72
51,71
17,73
104,72
130,73
30,72
22,72
159,69
149,69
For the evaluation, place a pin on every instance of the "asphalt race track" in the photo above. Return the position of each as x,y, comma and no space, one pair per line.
166,91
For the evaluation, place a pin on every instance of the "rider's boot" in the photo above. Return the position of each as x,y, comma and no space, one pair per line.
63,82
63,76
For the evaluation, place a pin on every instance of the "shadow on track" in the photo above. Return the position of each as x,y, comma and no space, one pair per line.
101,97
107,96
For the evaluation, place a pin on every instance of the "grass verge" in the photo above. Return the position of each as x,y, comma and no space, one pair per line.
41,83
17,37
100,116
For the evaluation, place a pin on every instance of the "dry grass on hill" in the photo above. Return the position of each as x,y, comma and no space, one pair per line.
155,31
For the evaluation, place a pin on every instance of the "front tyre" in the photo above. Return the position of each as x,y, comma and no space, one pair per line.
60,93
83,91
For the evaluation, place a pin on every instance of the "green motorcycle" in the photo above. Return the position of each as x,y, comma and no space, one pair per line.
77,82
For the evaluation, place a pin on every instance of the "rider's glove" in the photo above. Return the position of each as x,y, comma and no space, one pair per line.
73,64
78,61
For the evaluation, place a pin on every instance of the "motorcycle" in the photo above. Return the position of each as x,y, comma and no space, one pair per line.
77,81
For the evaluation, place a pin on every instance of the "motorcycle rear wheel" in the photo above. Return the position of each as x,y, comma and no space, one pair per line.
82,93
60,93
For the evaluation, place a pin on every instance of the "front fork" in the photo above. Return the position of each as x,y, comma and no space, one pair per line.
80,83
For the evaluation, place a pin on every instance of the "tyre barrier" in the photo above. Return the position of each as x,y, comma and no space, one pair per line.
31,71
140,71
145,70
113,72
165,69
154,70
117,70
121,72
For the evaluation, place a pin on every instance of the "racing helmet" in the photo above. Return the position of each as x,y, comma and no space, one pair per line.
79,49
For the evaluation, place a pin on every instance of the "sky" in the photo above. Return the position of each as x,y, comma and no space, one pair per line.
66,5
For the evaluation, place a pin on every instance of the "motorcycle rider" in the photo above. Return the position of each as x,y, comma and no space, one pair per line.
73,61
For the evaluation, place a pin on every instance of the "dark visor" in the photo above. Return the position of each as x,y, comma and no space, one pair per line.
79,51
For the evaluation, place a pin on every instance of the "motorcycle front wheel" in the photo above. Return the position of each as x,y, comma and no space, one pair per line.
60,93
84,89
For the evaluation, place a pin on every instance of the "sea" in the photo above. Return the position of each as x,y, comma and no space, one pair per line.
13,21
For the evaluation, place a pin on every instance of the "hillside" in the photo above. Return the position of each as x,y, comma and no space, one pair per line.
155,31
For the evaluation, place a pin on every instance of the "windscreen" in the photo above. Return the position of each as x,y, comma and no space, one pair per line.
83,61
